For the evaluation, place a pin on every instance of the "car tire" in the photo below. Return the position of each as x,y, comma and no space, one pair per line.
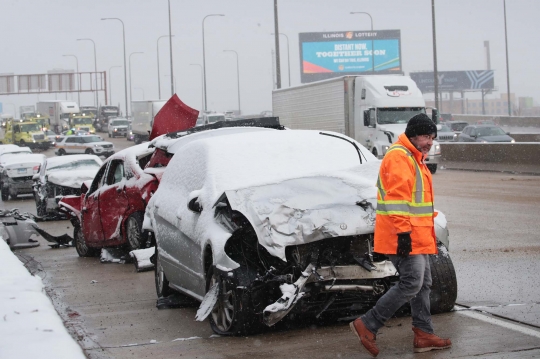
134,235
80,244
432,168
162,284
5,193
89,151
61,152
444,282
375,153
232,314
41,208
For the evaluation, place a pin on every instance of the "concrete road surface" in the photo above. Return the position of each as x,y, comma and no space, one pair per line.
494,222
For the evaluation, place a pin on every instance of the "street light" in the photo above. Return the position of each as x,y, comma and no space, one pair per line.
435,72
158,77
95,66
110,83
125,74
237,78
140,88
372,49
507,66
133,53
78,81
204,58
288,57
202,85
170,48
174,78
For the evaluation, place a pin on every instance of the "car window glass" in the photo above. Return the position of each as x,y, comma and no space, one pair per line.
98,180
116,172
70,140
473,132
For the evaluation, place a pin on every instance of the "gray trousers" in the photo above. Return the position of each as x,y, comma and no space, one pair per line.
414,286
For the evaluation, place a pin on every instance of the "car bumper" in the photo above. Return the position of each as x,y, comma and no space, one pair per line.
433,159
20,186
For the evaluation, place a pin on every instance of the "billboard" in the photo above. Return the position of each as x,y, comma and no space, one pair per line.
454,80
324,55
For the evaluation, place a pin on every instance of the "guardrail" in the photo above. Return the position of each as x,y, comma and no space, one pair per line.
517,121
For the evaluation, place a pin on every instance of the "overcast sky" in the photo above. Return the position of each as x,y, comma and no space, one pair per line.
37,33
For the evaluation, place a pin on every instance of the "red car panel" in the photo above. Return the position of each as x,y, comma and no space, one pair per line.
173,116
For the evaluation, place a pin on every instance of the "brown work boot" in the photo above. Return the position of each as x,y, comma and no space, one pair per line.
366,337
424,342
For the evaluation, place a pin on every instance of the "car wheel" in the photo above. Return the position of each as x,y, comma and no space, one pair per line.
61,152
22,143
14,195
162,284
5,193
134,236
41,208
375,153
432,168
232,313
444,287
80,244
89,151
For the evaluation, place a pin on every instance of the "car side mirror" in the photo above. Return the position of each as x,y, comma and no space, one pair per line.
508,133
84,188
372,119
366,117
195,206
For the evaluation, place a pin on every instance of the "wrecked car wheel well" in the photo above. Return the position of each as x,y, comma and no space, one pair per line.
208,260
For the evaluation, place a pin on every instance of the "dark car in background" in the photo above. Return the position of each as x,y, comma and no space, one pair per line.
484,133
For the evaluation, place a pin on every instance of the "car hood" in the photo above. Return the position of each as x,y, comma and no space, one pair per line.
173,116
73,179
499,138
309,209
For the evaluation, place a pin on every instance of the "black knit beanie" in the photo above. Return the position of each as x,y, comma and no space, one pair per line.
419,125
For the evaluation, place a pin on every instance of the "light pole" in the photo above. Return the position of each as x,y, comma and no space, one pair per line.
288,56
125,70
202,85
372,49
507,65
78,84
95,66
158,76
140,88
133,53
204,58
276,40
174,78
237,78
435,72
110,83
170,49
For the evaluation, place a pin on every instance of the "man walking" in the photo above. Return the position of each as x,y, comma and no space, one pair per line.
404,231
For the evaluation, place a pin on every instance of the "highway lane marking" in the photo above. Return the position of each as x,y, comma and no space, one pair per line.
491,320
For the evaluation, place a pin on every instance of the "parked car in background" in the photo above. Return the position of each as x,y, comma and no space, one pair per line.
486,122
130,136
90,145
213,117
256,238
484,133
110,210
445,134
17,172
118,127
5,153
446,117
52,136
73,132
62,176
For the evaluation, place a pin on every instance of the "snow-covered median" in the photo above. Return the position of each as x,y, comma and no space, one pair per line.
30,327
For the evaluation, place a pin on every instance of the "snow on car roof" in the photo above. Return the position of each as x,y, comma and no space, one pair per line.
172,145
253,158
12,160
62,160
3,148
15,149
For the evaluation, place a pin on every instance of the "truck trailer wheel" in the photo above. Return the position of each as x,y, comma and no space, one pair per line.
375,153
432,168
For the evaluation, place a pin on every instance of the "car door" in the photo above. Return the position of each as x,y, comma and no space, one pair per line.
113,202
70,146
91,221
464,136
472,133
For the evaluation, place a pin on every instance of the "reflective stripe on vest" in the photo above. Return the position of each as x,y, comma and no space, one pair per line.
415,208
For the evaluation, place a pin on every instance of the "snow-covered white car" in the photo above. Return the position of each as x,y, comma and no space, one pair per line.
256,223
118,127
17,173
62,176
90,145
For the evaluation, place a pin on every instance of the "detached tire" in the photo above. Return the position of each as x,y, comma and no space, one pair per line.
432,168
162,284
80,244
444,287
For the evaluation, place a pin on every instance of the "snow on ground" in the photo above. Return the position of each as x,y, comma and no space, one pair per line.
30,327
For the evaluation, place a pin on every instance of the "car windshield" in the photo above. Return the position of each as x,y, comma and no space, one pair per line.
215,118
120,123
89,139
75,165
395,115
458,126
82,121
445,129
50,133
30,127
490,131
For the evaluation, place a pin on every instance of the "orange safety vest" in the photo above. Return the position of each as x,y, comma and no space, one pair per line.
404,200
